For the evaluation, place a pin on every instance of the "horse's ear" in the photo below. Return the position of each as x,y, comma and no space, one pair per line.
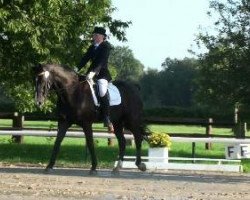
37,67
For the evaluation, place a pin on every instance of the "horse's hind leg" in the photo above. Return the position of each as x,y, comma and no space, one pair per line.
138,141
135,128
62,129
118,128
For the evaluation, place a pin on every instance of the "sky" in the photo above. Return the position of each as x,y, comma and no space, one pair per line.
161,28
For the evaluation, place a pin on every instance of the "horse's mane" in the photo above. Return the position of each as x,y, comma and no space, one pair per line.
63,71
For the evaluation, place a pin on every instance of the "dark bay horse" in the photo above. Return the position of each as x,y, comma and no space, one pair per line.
75,106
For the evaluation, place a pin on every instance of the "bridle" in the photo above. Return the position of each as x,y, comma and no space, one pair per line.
48,83
46,75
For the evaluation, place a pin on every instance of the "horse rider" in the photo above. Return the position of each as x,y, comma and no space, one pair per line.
98,55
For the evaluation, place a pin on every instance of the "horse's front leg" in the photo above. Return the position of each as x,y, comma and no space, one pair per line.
118,128
62,129
87,128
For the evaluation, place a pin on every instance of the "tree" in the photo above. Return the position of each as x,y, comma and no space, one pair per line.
172,86
126,65
149,89
46,31
224,78
178,76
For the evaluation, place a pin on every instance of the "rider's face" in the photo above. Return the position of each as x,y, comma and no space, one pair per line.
98,38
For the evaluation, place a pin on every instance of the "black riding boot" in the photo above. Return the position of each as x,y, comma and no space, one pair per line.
104,101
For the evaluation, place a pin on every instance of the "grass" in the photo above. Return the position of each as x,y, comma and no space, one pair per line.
159,128
191,129
37,150
43,124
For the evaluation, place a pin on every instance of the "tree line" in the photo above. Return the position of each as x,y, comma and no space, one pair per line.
59,32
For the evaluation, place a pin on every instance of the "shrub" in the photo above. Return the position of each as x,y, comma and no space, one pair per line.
159,140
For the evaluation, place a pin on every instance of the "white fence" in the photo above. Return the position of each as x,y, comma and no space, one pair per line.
74,134
79,134
129,164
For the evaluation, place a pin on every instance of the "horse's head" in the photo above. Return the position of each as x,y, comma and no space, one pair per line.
43,81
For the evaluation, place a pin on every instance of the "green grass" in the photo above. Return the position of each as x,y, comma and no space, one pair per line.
43,124
191,129
160,128
37,150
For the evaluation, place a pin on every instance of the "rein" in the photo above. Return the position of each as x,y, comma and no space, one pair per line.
47,82
46,74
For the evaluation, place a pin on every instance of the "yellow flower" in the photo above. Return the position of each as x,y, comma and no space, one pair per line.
159,140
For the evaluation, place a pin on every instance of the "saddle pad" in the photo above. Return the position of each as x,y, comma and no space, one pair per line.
114,94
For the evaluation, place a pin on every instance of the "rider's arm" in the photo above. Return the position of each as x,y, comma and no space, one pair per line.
86,57
101,59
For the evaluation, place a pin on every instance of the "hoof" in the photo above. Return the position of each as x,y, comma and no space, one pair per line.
48,170
142,167
92,172
116,169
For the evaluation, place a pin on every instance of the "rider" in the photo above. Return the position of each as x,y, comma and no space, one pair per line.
98,54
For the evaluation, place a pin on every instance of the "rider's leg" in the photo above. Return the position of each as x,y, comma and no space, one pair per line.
103,88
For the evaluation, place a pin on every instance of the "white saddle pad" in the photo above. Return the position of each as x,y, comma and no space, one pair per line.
114,95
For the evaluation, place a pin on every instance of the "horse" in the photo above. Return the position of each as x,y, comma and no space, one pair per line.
75,105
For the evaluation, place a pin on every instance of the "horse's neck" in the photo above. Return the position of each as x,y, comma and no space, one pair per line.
77,97
65,86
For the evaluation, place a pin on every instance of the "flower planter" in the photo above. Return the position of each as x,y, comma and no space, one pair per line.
158,154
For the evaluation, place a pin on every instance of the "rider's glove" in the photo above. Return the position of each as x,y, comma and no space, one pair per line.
90,76
76,69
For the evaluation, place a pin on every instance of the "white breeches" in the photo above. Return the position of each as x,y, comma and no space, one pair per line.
102,86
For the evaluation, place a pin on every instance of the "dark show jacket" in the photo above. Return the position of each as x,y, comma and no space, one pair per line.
99,60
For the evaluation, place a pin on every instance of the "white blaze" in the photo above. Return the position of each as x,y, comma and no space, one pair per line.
46,74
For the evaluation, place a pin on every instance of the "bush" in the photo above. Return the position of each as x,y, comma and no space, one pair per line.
159,140
189,112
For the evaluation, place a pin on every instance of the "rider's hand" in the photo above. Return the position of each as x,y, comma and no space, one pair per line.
76,69
90,76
